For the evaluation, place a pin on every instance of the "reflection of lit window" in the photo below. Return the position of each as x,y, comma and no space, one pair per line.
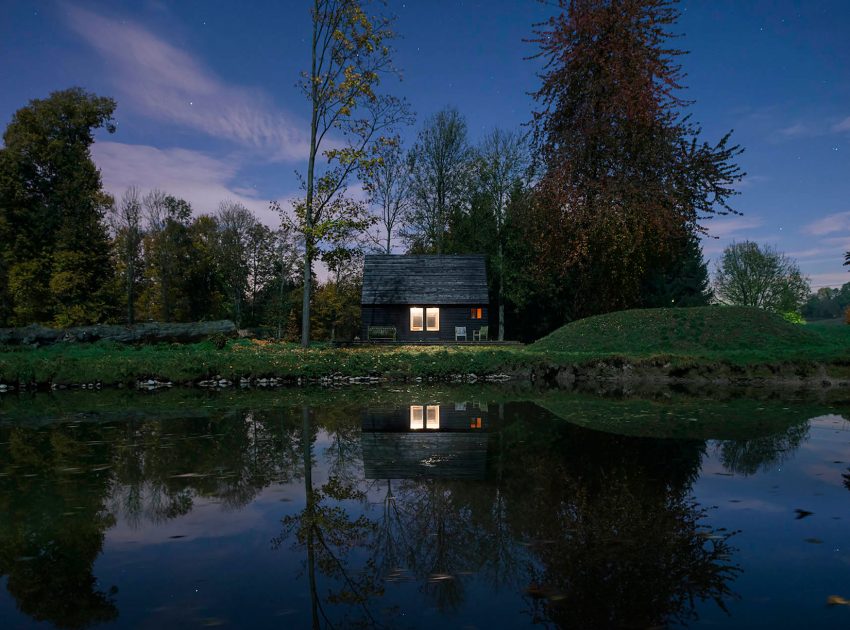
475,424
416,318
417,417
433,417
432,319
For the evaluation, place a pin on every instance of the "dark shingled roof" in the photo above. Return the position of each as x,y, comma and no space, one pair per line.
392,279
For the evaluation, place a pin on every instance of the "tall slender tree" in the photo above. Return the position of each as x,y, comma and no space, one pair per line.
166,247
388,183
126,221
236,226
503,163
349,53
625,176
441,162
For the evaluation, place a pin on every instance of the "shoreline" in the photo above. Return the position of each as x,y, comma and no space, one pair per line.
115,369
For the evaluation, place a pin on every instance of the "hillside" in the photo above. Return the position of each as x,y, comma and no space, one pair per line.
692,331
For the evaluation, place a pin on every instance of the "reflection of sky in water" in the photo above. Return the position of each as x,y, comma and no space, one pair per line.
790,565
218,563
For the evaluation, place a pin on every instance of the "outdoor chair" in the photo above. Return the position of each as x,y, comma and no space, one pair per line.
460,331
482,334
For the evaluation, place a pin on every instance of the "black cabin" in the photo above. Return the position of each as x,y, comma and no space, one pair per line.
424,298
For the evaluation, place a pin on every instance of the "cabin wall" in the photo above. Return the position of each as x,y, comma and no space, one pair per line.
398,315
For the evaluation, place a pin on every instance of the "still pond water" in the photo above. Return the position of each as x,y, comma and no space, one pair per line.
423,508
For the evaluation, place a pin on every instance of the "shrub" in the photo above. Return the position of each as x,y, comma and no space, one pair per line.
793,317
218,340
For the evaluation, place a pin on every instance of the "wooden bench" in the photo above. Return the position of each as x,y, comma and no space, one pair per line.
382,333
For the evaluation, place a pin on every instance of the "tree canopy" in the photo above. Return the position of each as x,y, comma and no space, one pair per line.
54,242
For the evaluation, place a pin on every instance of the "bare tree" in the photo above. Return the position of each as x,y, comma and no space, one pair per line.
349,54
388,183
126,221
750,275
440,166
503,162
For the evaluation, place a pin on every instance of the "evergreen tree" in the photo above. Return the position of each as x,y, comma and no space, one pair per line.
53,240
683,282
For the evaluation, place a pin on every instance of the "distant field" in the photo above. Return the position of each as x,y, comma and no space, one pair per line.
835,321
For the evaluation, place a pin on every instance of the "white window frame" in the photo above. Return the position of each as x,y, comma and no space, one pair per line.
435,311
414,312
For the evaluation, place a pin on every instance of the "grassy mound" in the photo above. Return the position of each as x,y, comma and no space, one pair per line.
710,329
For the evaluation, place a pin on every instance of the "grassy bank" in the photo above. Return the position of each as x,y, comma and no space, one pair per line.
734,335
712,342
112,363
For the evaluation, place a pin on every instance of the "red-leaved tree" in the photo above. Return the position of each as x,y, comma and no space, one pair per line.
625,180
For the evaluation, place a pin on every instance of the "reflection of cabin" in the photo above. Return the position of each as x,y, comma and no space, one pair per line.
424,298
430,441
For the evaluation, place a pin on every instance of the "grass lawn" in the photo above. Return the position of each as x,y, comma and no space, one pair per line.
732,334
707,336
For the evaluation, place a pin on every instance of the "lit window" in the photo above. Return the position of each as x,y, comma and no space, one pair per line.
477,313
475,424
433,417
432,319
417,417
416,318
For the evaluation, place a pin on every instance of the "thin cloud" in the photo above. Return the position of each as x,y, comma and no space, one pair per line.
200,179
835,280
732,225
831,223
168,84
844,125
795,131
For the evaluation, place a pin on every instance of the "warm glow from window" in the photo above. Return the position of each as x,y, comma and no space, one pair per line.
417,417
477,313
432,319
416,318
433,417
475,424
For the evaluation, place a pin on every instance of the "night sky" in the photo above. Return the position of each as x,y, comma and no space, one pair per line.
208,107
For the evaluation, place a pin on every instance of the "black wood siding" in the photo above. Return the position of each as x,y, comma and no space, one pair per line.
398,315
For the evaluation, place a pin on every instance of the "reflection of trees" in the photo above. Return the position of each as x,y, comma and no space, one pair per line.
595,529
51,525
161,468
64,485
747,457
328,534
598,530
617,542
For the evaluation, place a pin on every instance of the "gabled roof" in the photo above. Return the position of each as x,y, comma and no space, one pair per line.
394,279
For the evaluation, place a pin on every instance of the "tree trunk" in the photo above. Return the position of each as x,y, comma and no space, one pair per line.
501,294
131,274
308,214
310,509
